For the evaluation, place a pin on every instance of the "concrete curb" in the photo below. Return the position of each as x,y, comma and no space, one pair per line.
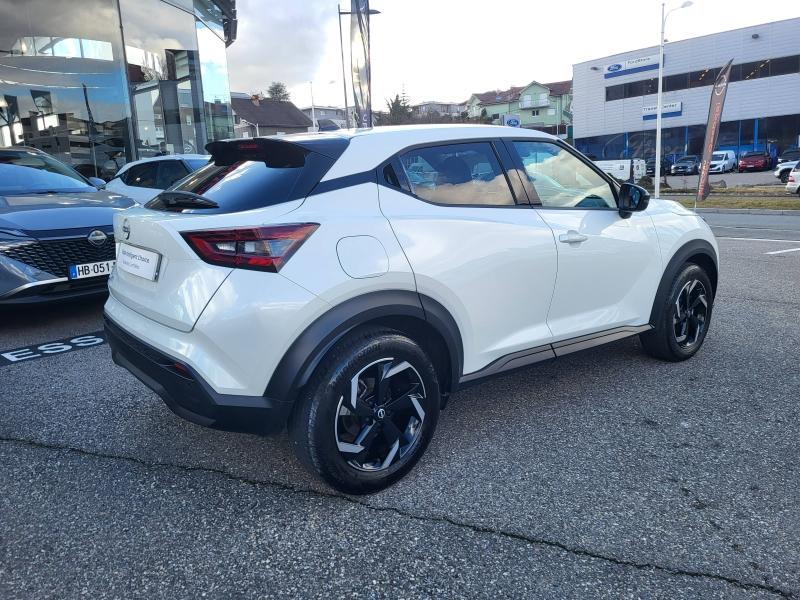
748,211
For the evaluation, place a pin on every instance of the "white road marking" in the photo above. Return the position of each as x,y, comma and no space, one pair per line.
747,228
784,251
744,239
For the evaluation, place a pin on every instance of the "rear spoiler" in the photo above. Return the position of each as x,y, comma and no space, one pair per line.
276,154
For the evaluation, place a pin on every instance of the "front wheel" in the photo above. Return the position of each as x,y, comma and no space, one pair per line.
368,413
784,176
681,322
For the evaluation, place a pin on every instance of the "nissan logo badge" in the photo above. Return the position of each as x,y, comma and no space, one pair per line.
97,238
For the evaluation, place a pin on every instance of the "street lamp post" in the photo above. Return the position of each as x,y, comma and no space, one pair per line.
258,130
313,113
664,16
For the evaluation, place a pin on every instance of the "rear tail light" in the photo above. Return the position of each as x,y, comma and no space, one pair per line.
791,178
257,248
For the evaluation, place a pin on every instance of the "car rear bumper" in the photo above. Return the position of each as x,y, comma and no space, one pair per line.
188,395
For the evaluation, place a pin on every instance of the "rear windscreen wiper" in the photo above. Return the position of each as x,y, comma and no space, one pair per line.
176,200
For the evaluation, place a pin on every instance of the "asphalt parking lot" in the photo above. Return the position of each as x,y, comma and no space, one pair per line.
606,474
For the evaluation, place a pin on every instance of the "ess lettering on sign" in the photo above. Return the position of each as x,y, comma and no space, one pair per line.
10,357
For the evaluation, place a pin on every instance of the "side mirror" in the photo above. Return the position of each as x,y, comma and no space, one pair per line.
632,198
97,182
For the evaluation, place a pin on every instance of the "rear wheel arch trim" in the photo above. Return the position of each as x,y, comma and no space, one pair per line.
309,348
684,255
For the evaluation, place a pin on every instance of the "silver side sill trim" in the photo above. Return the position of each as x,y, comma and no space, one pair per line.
512,361
554,350
21,288
597,339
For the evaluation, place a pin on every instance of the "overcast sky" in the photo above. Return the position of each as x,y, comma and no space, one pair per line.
446,49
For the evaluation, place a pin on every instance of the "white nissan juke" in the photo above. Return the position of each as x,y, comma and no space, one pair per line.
344,285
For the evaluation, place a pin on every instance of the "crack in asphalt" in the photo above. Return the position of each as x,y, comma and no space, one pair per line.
438,519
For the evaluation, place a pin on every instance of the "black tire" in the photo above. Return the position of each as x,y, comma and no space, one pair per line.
666,341
784,176
326,432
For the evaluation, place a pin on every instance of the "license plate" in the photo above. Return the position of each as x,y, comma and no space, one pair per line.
95,269
138,261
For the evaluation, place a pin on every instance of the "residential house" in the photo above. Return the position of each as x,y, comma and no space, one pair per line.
494,103
254,116
543,106
441,109
326,115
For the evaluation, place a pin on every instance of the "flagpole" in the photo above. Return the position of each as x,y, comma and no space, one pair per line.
369,62
344,77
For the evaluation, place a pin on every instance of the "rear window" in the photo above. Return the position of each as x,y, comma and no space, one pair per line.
236,185
196,163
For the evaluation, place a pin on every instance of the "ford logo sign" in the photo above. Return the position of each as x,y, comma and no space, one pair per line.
615,67
512,122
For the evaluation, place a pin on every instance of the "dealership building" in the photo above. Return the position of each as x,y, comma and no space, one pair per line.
97,83
614,98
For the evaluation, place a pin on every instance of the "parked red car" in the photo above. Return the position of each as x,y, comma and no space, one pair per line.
755,161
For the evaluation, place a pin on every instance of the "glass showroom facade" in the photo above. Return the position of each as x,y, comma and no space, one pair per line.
774,134
98,83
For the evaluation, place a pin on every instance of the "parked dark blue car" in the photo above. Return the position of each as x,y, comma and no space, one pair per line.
56,234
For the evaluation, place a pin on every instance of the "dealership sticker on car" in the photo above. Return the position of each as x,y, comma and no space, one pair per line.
95,269
138,261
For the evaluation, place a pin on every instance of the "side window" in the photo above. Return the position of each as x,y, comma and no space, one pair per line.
169,172
457,174
143,175
560,179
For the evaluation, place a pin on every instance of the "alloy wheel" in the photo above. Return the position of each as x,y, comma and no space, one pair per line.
380,420
691,314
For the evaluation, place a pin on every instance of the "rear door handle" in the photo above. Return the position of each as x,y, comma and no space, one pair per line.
572,237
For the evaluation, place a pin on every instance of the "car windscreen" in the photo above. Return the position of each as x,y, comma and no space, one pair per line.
250,184
27,172
717,156
688,159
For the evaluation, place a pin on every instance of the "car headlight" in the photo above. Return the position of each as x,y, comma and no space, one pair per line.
12,237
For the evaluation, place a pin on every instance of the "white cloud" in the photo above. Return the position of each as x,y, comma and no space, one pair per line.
279,41
447,49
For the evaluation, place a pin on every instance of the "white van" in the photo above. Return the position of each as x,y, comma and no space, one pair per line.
621,169
722,161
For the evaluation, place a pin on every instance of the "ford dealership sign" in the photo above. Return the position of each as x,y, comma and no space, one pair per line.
634,65
668,109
